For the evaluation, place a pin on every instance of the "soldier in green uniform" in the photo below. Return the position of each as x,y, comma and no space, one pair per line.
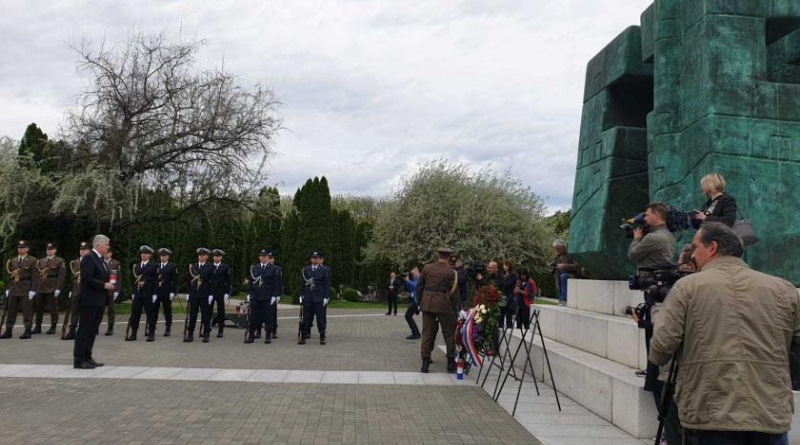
22,278
75,295
52,272
115,275
439,300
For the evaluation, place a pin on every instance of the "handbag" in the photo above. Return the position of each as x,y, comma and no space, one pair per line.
745,230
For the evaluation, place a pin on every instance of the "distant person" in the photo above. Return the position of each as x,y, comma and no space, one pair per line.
508,283
524,292
394,291
720,207
563,268
413,304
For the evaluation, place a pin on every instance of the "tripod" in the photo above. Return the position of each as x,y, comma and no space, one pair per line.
666,396
493,362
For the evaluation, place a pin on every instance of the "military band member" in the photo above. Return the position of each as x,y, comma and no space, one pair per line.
74,304
201,274
274,309
52,271
114,269
21,282
265,284
220,289
315,290
144,297
167,287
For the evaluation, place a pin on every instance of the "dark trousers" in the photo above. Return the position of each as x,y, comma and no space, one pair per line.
166,306
430,327
310,310
199,302
697,437
219,318
51,302
507,316
90,317
111,310
392,303
260,315
410,312
523,317
27,311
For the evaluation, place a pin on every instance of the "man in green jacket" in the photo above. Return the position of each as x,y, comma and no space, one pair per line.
737,327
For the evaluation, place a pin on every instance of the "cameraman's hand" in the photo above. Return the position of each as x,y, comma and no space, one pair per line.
700,216
635,317
638,233
479,276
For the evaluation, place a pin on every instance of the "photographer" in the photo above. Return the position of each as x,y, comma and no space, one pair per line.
458,266
410,279
737,327
656,246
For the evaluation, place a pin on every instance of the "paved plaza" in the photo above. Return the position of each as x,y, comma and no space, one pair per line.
363,387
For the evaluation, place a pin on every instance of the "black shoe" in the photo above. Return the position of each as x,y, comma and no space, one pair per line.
274,335
267,339
132,336
70,334
94,363
426,363
110,331
258,334
388,313
151,337
83,365
451,365
413,337
219,334
26,335
322,339
205,338
6,334
189,338
52,329
641,373
37,329
302,341
167,331
249,340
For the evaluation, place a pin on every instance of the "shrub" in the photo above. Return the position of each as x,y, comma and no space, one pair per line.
350,294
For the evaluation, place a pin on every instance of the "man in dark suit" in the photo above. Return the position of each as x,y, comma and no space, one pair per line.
167,287
221,289
94,291
145,275
394,291
439,302
315,292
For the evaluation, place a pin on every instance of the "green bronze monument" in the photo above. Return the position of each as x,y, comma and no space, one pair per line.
701,86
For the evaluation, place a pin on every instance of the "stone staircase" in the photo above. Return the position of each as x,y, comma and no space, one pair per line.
594,351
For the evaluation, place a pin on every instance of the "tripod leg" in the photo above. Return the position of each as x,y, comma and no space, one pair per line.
547,359
511,370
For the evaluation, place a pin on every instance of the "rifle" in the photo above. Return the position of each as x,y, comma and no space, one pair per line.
66,317
195,280
5,307
300,325
246,308
137,283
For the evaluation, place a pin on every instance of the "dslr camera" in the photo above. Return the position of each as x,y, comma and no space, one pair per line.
656,281
640,310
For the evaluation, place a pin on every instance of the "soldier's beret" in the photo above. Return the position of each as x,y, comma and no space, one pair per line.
218,252
51,246
203,251
164,251
317,253
22,244
84,245
146,249
444,251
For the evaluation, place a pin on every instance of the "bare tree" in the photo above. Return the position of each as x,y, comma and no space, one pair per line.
150,120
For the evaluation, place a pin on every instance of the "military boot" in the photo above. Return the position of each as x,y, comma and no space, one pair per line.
70,334
37,329
52,329
189,337
322,339
219,334
27,334
167,330
110,330
7,333
205,336
451,365
426,363
132,336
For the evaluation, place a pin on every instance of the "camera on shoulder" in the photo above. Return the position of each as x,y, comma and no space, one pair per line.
656,280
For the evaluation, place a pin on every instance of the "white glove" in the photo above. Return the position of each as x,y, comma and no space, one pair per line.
227,298
116,295
155,297
462,315
31,294
69,297
7,291
278,299
248,298
57,292
187,297
301,299
171,296
133,296
325,302
210,299
272,301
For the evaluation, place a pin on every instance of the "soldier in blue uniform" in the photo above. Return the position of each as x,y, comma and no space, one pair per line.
145,275
220,289
201,275
265,285
167,287
315,292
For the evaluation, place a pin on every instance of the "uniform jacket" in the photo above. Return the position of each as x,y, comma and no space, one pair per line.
75,270
145,285
115,267
315,285
21,276
221,284
201,286
51,274
438,289
265,282
94,276
657,246
167,279
737,326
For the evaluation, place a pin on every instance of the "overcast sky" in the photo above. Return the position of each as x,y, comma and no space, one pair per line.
371,89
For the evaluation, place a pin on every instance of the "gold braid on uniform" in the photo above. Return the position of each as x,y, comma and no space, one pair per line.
195,278
76,274
137,279
43,271
12,274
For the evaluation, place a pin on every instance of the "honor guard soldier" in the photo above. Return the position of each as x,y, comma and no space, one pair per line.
265,285
52,271
167,287
201,274
439,301
220,289
22,278
315,292
74,305
145,275
114,269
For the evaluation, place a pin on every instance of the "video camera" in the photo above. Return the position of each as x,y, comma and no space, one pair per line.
657,280
676,221
640,310
476,268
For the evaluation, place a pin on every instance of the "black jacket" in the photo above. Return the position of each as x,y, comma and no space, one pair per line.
265,283
221,284
723,209
94,276
201,286
147,281
167,279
